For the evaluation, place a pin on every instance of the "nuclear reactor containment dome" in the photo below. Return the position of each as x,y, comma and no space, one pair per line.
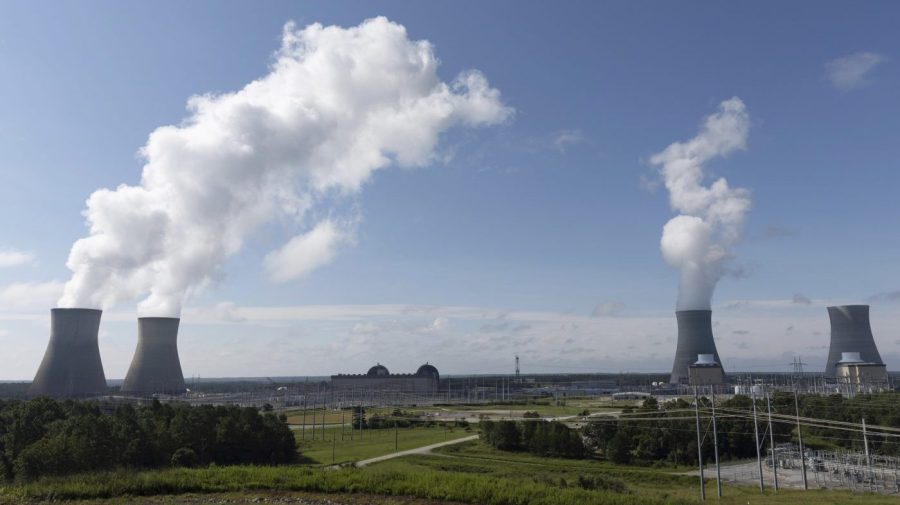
695,337
850,332
71,366
155,367
378,370
428,370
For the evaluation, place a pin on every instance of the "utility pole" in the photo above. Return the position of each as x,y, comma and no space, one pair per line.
699,445
303,427
712,390
800,439
866,446
772,440
756,436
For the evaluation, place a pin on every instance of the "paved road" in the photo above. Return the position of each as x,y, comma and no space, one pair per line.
418,450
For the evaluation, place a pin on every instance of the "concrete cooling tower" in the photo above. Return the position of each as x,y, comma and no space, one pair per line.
155,367
71,366
850,332
695,337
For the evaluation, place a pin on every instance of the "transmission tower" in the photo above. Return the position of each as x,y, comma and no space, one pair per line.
517,368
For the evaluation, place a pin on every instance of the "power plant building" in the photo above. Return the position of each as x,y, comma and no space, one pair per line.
155,367
71,366
695,338
857,375
850,333
426,380
706,371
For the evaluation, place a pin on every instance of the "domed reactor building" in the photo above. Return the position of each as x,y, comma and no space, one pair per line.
378,378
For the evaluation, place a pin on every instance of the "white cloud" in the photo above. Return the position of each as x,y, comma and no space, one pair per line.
13,258
337,105
850,72
608,309
306,252
562,140
29,295
710,219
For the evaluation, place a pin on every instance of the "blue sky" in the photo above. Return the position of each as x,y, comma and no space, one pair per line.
517,232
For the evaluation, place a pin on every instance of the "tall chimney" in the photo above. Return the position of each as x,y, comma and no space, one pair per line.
850,332
155,367
695,337
71,366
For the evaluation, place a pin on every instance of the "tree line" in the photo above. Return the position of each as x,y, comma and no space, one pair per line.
47,437
667,433
541,438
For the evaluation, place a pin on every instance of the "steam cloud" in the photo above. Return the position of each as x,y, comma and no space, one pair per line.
337,105
697,241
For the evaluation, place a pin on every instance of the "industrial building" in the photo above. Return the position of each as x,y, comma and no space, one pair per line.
850,332
855,375
71,366
695,337
706,371
155,367
378,378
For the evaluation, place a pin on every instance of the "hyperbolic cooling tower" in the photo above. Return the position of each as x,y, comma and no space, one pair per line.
694,337
850,332
155,367
71,365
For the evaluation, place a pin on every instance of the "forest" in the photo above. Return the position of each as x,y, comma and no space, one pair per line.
46,437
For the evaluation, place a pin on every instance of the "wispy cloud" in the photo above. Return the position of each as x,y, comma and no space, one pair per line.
563,140
14,258
850,72
608,309
30,295
890,296
801,299
308,251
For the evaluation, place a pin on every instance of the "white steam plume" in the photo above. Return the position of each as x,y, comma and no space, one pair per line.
337,105
698,240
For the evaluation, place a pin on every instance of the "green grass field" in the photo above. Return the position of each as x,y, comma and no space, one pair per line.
469,472
370,443
422,414
296,417
544,408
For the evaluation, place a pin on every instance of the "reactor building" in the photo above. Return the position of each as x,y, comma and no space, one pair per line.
378,378
155,367
850,333
695,338
71,366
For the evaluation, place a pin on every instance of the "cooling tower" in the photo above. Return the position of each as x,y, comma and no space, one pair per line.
71,365
155,367
695,337
850,332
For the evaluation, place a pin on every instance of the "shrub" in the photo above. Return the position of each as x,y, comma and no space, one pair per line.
184,457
